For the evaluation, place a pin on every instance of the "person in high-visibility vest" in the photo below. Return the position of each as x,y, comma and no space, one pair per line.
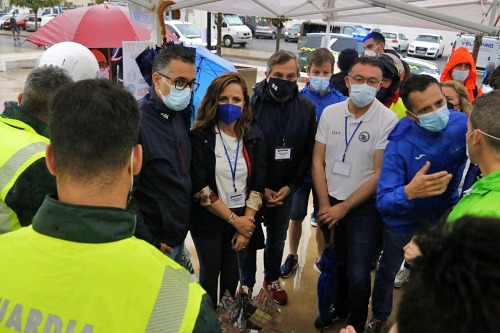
78,268
24,133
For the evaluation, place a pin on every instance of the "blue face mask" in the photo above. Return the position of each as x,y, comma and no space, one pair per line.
459,75
228,113
362,94
177,100
435,121
320,83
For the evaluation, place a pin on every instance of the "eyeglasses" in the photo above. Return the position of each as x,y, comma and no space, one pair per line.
374,82
181,84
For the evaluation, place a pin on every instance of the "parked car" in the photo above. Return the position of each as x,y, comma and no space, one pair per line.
30,22
266,30
420,66
21,22
427,45
3,19
250,22
338,43
187,32
292,34
397,41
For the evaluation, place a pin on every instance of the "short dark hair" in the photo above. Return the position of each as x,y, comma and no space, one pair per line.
377,37
320,56
371,61
455,283
281,57
165,56
414,83
486,117
346,57
93,124
40,85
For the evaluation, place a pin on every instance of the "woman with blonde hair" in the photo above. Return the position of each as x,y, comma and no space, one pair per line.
456,96
228,177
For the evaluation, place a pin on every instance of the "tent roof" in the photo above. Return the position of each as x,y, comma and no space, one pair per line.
462,15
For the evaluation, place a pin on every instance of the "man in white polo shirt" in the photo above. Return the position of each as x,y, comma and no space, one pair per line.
347,160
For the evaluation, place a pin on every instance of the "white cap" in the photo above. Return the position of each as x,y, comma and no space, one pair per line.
80,63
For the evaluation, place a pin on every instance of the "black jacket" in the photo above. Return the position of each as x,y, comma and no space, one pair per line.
203,171
295,119
338,81
162,191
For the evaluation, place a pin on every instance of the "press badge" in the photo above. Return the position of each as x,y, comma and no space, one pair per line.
235,199
283,153
342,168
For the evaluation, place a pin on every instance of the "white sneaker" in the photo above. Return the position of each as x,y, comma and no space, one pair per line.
402,277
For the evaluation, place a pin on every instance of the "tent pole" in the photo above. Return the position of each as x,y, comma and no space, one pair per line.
493,13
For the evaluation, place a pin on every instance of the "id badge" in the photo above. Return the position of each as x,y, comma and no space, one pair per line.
342,168
235,199
283,153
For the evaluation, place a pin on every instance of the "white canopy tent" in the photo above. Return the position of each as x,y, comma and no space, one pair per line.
473,16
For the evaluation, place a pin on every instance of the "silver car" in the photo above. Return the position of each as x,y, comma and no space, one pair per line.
292,34
266,30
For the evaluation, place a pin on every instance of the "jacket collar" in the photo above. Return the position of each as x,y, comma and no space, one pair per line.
17,112
83,224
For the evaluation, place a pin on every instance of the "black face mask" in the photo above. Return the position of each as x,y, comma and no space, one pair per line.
381,94
281,88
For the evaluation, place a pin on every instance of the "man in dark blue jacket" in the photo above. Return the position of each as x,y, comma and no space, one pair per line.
419,181
288,121
162,192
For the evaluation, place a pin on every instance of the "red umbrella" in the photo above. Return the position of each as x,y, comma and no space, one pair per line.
100,26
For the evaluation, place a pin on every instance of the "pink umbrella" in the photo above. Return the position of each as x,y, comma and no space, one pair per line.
100,26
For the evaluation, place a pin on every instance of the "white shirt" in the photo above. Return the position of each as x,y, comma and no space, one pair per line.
223,174
374,127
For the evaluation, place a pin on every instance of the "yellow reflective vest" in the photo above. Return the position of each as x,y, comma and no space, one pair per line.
51,281
20,147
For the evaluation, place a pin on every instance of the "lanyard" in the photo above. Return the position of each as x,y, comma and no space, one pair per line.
348,142
233,171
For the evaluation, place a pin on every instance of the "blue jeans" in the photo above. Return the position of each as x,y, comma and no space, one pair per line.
300,199
355,245
384,276
276,221
176,254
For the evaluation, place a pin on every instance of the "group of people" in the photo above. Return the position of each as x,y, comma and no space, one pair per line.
385,156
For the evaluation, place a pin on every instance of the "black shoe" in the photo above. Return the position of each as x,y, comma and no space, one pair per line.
332,317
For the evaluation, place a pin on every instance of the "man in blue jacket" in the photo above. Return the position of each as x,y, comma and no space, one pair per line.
419,180
162,191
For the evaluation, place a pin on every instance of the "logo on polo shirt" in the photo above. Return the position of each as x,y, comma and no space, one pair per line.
364,136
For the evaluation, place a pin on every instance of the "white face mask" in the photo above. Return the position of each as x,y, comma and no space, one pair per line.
372,53
104,73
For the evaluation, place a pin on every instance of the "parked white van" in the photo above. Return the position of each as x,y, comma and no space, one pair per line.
488,51
234,31
188,33
21,11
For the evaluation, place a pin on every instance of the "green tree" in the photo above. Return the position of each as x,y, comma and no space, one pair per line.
35,5
278,23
